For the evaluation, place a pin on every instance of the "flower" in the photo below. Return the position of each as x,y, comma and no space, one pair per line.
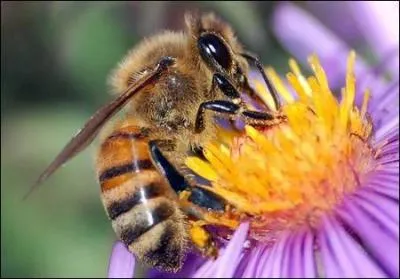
324,196
321,188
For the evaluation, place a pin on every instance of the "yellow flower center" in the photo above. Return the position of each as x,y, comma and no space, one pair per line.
286,176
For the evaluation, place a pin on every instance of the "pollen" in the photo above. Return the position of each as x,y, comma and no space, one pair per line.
289,175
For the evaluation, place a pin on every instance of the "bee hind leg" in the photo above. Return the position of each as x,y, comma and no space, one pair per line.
205,208
179,183
175,179
201,206
202,239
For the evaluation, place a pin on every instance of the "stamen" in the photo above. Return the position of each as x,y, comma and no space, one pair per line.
280,87
365,103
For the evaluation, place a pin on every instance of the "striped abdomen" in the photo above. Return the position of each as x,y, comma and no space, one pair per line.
139,201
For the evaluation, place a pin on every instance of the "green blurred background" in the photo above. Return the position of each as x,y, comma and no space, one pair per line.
55,58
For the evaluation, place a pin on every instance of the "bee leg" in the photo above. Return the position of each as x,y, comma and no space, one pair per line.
202,207
175,179
202,239
226,87
218,106
199,196
205,208
202,204
233,110
259,66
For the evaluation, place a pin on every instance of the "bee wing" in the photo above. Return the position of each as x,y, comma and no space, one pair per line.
89,131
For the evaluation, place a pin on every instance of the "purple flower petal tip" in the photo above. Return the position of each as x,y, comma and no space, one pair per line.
226,264
122,262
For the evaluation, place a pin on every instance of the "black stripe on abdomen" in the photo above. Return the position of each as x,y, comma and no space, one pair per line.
161,213
126,168
168,253
149,191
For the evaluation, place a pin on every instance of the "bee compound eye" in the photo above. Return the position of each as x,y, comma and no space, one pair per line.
211,45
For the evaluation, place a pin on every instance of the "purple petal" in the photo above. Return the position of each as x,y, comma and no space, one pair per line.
244,262
302,34
310,268
390,147
265,253
388,138
390,193
390,94
287,255
391,160
388,157
386,178
292,256
328,12
387,127
351,259
228,261
298,253
271,267
192,262
334,257
385,211
278,260
393,149
254,259
265,267
378,69
384,202
204,271
376,241
379,21
122,262
384,106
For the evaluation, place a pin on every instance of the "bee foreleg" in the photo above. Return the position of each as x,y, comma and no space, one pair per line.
259,66
233,110
226,87
218,106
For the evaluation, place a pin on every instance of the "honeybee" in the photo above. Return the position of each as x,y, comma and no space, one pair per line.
173,85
